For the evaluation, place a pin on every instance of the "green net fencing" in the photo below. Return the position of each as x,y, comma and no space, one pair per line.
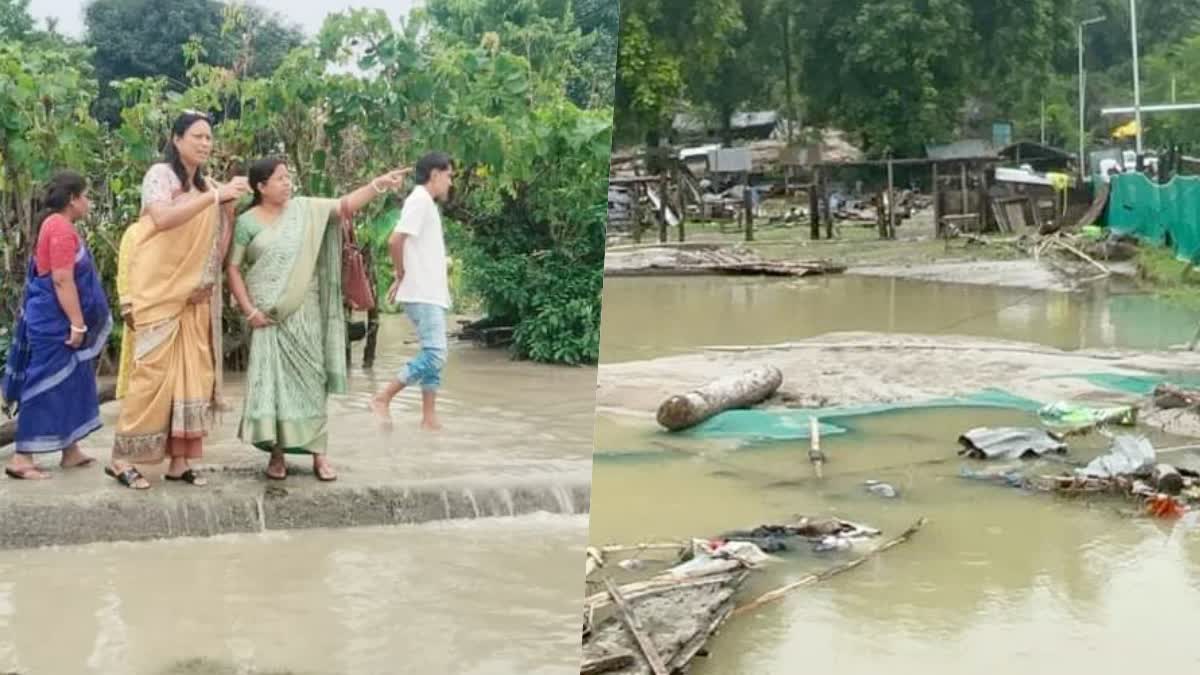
1159,214
1134,385
751,426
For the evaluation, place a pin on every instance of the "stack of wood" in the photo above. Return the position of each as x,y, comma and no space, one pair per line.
1066,243
682,260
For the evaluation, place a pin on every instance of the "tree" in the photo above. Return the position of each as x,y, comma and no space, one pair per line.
15,20
144,38
664,45
893,70
597,60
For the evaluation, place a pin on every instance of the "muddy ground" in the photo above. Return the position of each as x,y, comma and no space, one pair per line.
847,369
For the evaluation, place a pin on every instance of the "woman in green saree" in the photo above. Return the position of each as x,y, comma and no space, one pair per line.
285,270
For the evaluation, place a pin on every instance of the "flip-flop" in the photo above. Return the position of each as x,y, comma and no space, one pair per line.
274,476
24,474
127,477
188,477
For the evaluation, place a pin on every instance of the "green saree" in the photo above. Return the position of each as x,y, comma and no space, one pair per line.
292,269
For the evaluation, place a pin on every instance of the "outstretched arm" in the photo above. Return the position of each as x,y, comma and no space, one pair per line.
378,186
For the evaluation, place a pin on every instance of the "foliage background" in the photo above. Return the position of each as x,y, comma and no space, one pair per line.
903,73
518,91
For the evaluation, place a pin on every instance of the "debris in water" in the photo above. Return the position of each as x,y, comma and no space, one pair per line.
1010,443
632,564
1129,455
1082,419
1010,477
1164,506
884,490
661,624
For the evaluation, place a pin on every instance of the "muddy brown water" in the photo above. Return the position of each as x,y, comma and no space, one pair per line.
471,597
479,597
649,317
998,576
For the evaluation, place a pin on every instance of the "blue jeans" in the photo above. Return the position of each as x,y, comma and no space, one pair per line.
425,368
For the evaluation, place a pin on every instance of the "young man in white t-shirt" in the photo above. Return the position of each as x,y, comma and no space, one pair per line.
418,252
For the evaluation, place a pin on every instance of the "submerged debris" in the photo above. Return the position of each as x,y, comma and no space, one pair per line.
1010,443
817,533
884,490
659,625
1129,455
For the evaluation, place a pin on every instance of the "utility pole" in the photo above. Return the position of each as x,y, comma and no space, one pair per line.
1137,85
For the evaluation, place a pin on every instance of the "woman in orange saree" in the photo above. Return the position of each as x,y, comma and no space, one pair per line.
171,300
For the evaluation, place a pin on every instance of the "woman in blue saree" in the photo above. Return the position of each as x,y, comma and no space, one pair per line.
50,376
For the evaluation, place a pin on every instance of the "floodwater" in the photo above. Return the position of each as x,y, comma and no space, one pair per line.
474,597
503,419
488,596
997,576
649,317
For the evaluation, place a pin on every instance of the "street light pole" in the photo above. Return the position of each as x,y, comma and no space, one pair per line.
1137,87
1082,24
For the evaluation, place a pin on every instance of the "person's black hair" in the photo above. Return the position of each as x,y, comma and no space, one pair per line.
62,188
261,172
434,161
171,154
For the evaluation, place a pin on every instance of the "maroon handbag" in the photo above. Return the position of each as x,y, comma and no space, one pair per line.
357,289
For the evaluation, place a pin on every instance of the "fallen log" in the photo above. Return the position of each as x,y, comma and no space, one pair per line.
778,593
740,391
8,430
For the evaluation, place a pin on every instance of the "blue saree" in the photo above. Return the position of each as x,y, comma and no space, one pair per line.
50,386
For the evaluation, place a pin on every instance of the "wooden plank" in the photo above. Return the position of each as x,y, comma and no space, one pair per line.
607,663
634,625
920,161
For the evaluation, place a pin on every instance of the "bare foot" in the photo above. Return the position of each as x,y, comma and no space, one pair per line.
431,425
321,467
381,408
382,411
73,458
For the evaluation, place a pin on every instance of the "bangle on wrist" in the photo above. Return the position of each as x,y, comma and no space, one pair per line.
77,329
375,186
251,315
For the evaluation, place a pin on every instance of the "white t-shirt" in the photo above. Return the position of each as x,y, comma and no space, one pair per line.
425,278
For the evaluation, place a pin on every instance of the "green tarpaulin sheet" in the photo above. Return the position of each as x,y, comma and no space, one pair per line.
751,426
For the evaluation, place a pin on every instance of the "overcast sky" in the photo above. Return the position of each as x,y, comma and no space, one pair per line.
308,13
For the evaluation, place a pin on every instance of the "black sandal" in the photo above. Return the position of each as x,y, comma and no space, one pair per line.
188,477
128,477
25,473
